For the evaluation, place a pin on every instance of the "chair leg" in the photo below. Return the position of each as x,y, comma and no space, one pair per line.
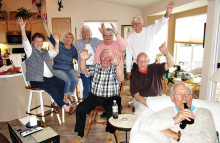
117,136
29,103
58,116
42,107
89,123
63,115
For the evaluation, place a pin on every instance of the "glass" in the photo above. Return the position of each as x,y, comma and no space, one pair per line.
124,119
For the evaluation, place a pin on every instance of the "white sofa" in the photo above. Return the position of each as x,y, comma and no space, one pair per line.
158,103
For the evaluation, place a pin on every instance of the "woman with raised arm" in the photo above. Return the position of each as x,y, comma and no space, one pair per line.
63,63
39,69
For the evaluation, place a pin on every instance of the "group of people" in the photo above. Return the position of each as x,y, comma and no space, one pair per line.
101,70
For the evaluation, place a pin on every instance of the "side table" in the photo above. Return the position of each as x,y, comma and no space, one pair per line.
47,135
123,123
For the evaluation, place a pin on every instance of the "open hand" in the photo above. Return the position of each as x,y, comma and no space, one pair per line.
169,9
84,55
113,29
116,59
56,37
102,28
21,22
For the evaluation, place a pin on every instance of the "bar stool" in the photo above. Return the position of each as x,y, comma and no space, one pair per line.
40,93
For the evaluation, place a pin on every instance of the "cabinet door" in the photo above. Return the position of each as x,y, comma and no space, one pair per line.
61,26
3,31
37,26
12,25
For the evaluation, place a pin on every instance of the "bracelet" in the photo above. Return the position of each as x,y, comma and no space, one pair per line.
166,54
116,34
117,65
179,136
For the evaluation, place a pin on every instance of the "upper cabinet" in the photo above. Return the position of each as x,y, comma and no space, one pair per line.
12,25
3,31
37,26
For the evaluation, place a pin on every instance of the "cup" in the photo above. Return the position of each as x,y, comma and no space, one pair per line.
33,121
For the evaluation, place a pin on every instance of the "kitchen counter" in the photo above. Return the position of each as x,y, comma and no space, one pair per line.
10,75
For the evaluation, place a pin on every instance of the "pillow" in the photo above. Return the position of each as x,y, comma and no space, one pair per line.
159,102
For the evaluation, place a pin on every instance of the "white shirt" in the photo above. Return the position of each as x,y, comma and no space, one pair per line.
143,42
28,51
90,50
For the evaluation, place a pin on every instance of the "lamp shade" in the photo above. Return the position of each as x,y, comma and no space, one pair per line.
216,76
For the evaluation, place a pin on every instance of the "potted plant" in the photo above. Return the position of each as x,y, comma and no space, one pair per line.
24,13
1,3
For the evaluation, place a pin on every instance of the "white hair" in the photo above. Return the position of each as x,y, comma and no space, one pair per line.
172,88
105,50
107,30
86,27
136,17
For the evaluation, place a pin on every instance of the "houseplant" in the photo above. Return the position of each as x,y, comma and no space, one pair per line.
24,13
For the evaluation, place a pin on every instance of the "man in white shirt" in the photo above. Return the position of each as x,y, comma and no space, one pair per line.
142,39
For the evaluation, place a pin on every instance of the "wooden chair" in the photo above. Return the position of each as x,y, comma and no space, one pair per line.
164,81
94,116
40,93
193,86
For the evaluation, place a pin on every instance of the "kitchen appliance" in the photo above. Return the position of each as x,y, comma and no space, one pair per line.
14,37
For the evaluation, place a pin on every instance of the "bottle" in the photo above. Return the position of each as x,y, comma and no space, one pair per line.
115,110
185,122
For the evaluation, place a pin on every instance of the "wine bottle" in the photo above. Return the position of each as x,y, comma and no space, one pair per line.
185,122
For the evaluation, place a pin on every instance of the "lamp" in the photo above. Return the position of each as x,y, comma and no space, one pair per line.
216,76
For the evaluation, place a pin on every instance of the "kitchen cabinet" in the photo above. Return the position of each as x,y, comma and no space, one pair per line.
12,25
37,26
3,31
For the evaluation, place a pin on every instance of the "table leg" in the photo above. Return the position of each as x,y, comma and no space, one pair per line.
115,138
126,136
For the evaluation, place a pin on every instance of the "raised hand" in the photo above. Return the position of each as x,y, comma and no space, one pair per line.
21,22
113,29
116,59
102,28
44,18
163,49
56,37
84,55
169,9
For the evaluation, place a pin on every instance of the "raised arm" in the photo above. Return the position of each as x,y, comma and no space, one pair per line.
119,71
164,50
44,20
120,40
169,9
84,56
56,38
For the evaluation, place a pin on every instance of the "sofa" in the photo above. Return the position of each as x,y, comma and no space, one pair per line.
161,102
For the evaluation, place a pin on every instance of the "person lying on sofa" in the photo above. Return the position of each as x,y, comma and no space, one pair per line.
169,121
146,81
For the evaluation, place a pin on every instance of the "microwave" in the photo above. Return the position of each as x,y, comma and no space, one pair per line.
14,37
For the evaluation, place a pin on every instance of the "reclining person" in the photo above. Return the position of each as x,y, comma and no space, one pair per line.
106,77
146,81
200,127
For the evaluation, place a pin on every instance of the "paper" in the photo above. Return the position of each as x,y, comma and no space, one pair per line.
15,59
24,120
5,68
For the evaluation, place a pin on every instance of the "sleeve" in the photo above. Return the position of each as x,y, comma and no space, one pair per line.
128,57
27,48
121,42
51,39
157,26
52,53
204,132
91,70
76,53
96,57
133,85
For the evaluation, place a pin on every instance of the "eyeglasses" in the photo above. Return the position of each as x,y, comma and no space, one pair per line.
107,35
107,58
142,62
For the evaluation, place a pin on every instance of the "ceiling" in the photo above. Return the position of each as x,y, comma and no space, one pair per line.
147,3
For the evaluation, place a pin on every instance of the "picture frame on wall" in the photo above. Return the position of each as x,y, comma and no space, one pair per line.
126,30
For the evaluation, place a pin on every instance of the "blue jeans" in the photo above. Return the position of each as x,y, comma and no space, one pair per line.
71,79
54,86
86,85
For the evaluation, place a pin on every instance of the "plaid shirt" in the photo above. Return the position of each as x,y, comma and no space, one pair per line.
104,81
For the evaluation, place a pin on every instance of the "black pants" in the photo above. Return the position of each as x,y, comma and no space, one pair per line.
134,67
87,105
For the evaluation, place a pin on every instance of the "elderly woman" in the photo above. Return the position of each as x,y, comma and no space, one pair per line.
63,63
86,42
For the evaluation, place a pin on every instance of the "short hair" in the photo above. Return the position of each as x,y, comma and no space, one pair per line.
172,88
39,35
86,27
105,50
68,34
136,17
107,30
144,54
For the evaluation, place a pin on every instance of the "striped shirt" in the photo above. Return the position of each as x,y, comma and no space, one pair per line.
104,81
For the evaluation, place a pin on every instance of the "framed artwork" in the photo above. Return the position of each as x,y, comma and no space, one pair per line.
126,30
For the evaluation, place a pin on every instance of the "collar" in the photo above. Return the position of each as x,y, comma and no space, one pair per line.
145,72
192,108
106,69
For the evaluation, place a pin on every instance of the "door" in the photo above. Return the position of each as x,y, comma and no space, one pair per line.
61,26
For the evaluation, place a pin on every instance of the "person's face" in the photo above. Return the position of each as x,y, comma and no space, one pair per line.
142,62
38,43
108,38
181,95
137,25
85,34
69,39
105,59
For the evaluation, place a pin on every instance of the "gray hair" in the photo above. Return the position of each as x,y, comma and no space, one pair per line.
107,30
105,50
172,88
86,27
136,17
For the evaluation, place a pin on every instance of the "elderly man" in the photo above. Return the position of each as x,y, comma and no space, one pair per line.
106,78
168,121
147,80
114,46
142,39
90,44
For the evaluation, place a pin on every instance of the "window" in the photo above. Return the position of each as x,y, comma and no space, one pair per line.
94,26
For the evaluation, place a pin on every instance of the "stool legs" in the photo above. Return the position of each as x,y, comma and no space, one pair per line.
29,103
42,107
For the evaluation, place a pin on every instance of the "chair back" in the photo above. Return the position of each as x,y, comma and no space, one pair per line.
164,81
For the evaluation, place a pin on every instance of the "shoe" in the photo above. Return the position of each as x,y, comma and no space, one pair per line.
72,102
72,110
78,139
103,115
56,108
67,104
108,137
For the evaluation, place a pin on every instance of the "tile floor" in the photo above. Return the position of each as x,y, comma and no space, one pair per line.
66,130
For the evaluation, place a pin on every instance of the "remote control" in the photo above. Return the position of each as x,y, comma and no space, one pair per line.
31,131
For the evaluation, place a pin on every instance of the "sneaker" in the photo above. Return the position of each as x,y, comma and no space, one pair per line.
79,139
108,137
